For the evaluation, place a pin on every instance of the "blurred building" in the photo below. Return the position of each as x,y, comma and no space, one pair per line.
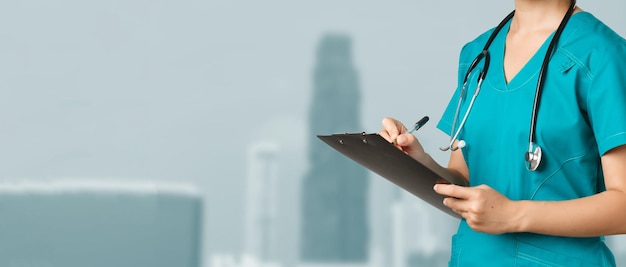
416,239
261,232
100,223
334,226
398,231
227,260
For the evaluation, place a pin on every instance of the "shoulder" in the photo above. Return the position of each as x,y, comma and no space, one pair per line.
474,47
591,43
585,28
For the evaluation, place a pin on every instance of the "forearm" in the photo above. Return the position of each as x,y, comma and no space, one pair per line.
597,215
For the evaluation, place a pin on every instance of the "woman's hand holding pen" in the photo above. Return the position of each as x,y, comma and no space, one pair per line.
396,133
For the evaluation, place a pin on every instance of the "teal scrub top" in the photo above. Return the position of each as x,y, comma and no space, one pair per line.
582,115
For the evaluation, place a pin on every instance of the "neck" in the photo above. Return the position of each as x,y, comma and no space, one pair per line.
538,15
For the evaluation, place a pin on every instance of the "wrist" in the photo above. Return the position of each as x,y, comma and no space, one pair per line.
519,219
423,157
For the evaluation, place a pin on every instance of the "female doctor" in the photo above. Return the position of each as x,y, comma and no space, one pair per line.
538,128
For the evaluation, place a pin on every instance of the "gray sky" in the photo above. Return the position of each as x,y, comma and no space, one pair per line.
177,90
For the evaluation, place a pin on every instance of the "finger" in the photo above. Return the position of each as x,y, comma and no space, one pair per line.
393,127
405,139
457,205
385,135
454,191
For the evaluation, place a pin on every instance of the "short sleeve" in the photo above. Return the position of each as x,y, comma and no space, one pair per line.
606,99
467,55
445,123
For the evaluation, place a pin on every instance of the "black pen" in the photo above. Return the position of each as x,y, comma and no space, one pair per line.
417,126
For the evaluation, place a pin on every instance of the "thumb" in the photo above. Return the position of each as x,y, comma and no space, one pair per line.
409,142
402,140
410,145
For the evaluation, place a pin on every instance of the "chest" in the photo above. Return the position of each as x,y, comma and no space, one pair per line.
498,128
519,49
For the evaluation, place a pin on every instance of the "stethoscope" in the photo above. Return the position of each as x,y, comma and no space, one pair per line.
534,154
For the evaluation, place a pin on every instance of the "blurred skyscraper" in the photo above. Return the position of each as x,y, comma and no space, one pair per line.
334,194
262,203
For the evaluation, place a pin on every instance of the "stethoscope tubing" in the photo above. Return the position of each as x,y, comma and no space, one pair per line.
544,71
483,73
534,154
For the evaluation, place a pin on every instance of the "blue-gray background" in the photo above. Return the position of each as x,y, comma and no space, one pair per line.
179,90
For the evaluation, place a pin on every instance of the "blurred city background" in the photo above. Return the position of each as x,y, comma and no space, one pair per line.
198,120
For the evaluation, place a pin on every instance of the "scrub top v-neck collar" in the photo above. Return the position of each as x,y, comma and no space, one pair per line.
530,71
527,74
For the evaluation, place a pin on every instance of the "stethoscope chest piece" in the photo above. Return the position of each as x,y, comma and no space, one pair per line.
533,157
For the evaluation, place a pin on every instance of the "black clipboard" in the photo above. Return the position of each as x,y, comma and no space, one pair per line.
383,158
